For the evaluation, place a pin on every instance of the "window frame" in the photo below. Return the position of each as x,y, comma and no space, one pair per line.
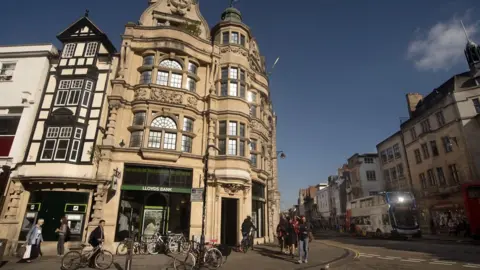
374,178
69,50
440,119
233,86
91,49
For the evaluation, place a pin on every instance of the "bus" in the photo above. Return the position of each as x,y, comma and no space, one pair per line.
471,197
383,215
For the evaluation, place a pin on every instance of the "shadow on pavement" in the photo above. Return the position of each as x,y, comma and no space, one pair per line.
273,254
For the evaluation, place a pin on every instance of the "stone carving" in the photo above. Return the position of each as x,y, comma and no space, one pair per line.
141,94
180,7
259,127
234,49
192,101
167,96
232,189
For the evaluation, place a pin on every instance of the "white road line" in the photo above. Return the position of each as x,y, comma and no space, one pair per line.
471,265
442,262
412,260
393,257
367,254
386,258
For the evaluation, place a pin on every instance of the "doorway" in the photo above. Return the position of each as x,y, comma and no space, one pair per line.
229,222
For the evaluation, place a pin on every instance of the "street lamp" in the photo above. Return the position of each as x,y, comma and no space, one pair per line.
205,182
282,154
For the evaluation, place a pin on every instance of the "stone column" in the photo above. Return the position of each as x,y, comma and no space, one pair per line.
99,197
112,119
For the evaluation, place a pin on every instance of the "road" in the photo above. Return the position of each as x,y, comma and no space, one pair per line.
411,254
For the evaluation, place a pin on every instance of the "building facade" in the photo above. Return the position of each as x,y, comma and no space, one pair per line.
23,73
323,205
182,90
441,141
338,199
394,163
57,176
365,176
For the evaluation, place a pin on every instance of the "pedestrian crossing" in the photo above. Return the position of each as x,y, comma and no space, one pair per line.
416,260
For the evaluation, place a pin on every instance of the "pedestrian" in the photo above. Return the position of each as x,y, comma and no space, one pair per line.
62,235
281,234
292,237
97,237
303,240
34,239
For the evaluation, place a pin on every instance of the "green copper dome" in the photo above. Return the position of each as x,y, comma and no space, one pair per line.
232,14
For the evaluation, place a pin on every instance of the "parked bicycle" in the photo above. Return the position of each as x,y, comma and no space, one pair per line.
173,243
211,257
138,247
79,259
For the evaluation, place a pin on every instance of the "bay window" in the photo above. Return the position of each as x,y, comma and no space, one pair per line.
253,152
233,82
231,138
59,142
170,73
146,77
148,60
70,91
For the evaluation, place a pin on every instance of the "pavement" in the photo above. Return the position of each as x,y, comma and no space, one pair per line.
424,254
265,257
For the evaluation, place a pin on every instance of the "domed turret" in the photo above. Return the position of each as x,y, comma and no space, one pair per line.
232,14
472,53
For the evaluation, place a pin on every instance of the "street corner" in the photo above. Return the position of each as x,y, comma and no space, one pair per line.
344,256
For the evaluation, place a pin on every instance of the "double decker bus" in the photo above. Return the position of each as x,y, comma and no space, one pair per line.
471,196
383,215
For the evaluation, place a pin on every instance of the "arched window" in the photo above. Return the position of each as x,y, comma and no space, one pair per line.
164,122
170,73
162,128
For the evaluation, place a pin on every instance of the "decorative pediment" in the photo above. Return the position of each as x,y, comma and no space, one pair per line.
180,7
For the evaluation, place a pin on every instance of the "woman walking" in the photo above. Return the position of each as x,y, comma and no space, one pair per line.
303,239
34,239
291,237
62,233
281,234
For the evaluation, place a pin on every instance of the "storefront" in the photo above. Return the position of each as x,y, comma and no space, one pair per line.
52,206
258,208
154,199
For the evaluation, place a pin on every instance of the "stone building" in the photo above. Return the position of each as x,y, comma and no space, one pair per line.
442,145
365,176
394,163
57,177
23,73
181,88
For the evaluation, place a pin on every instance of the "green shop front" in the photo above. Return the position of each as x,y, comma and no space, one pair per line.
154,199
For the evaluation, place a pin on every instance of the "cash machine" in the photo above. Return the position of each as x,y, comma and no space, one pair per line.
30,219
75,214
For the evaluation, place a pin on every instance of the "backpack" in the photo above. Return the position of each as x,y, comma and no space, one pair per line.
68,234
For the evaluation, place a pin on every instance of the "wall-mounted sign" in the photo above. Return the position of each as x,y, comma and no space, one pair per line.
33,207
157,188
80,208
197,195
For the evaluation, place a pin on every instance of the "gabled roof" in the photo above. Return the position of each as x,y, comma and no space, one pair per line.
85,29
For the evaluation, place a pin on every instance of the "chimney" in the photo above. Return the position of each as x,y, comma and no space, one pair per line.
412,101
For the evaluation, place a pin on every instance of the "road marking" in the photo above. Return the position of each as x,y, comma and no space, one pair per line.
386,258
367,254
471,265
442,262
412,260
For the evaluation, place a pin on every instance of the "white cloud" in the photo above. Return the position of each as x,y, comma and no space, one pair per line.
441,47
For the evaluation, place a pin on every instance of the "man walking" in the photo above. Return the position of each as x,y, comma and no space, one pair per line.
303,239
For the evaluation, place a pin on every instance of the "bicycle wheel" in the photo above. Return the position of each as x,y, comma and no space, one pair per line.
104,259
72,260
213,258
244,246
184,262
174,246
152,248
185,245
122,248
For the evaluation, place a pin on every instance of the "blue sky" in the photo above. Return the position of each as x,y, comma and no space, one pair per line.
345,66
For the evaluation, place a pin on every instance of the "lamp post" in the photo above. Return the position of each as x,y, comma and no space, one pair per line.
205,182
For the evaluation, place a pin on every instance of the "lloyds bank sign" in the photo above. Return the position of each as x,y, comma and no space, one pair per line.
157,188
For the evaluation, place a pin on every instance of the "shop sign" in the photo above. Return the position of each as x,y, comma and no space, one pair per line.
157,188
